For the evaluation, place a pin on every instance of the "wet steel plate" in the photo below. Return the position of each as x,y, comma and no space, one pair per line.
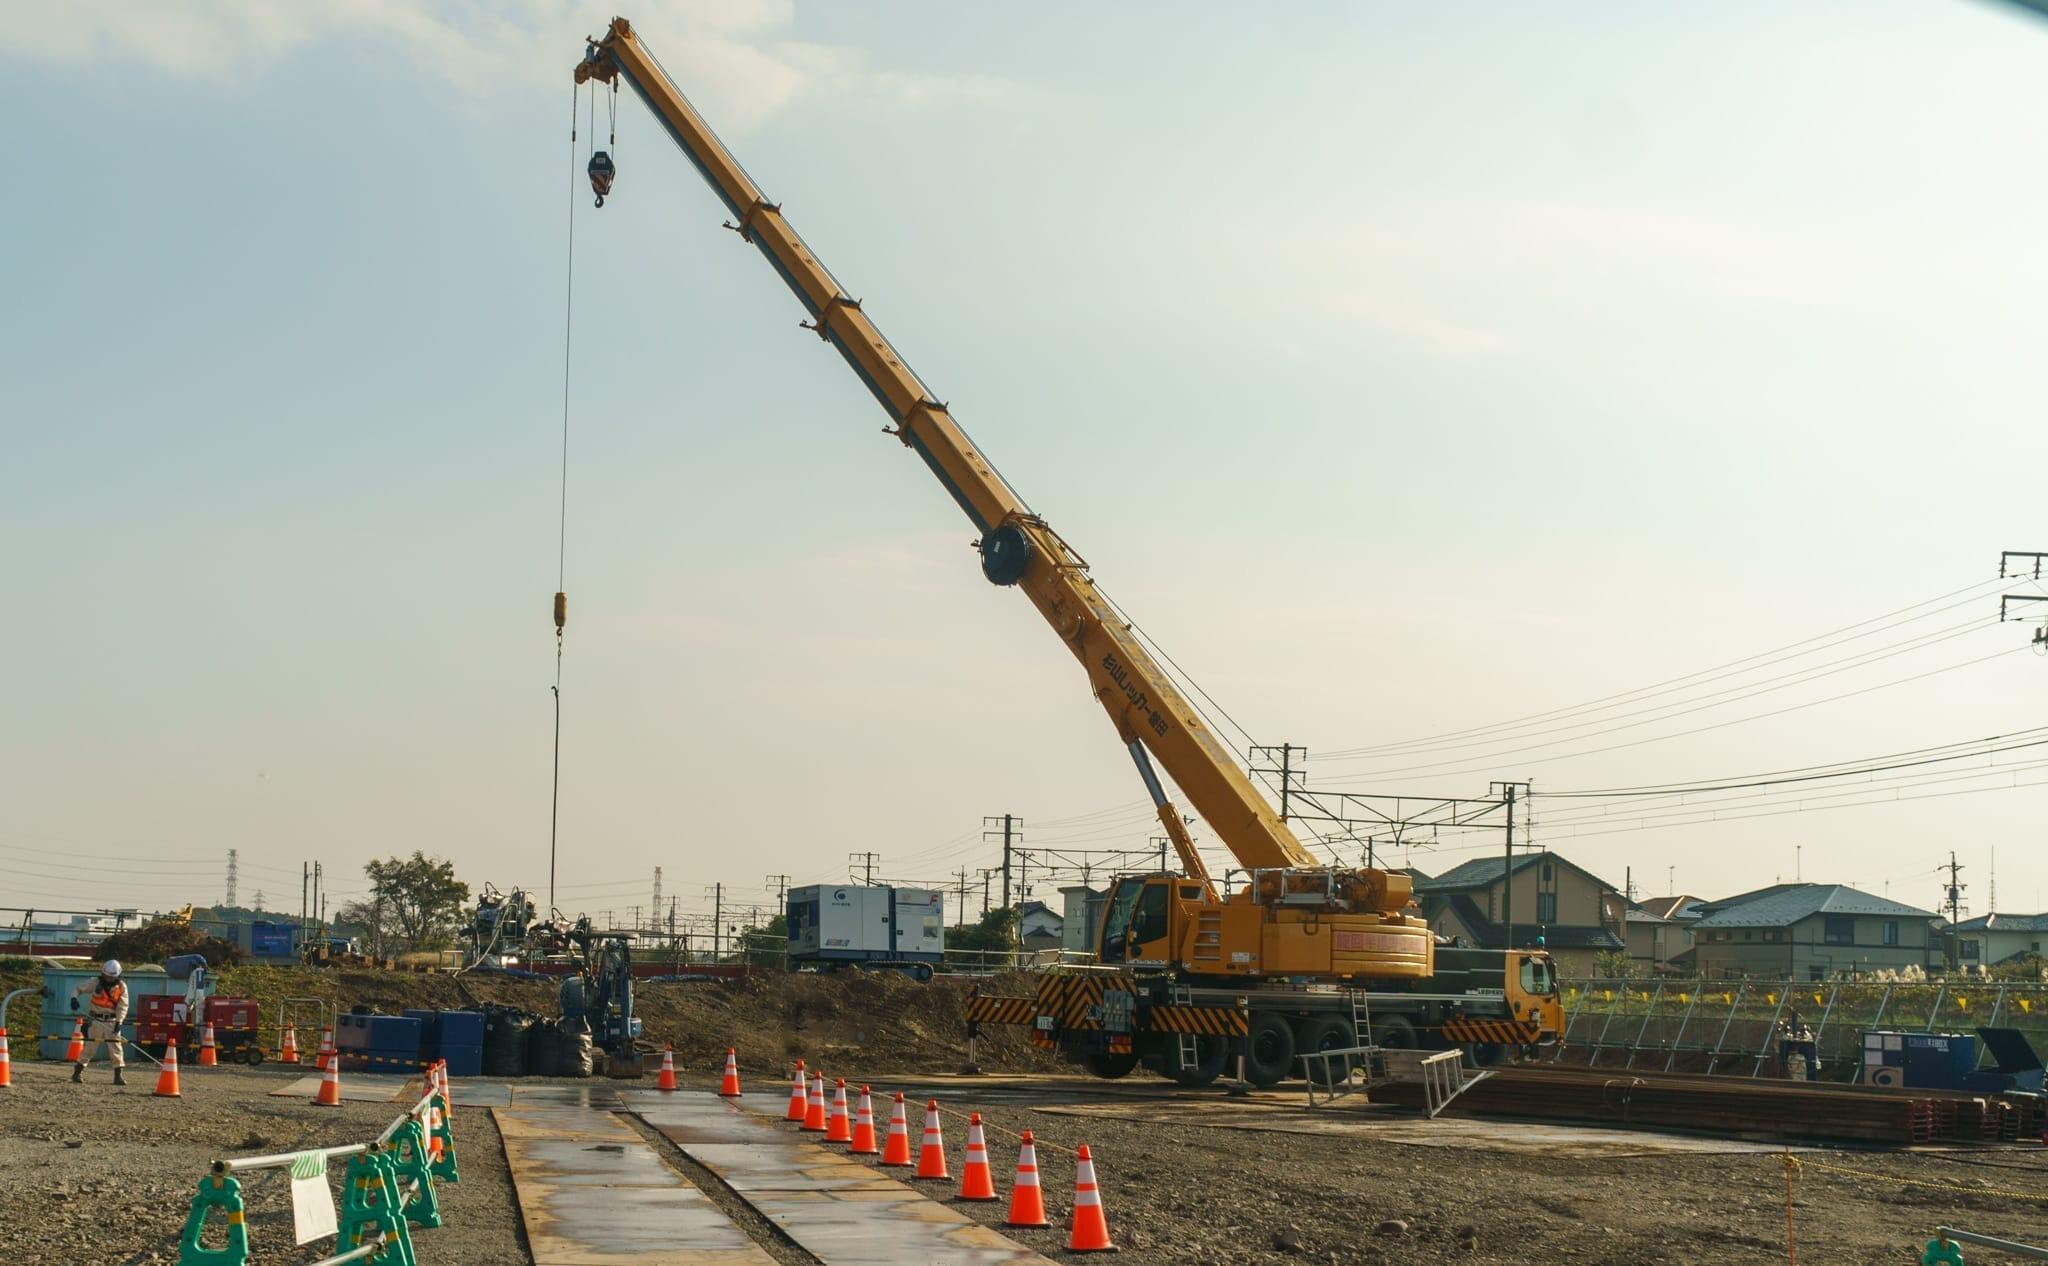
842,1211
593,1193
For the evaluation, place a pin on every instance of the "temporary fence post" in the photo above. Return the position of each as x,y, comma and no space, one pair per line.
1692,1002
1934,1012
411,1163
223,1192
1564,1038
1613,1006
1820,1030
1791,1246
1734,1002
1649,1013
1763,1046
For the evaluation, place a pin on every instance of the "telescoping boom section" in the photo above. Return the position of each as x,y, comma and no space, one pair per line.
1293,915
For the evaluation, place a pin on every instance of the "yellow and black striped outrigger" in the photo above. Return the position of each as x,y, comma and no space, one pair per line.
1075,1002
1462,1028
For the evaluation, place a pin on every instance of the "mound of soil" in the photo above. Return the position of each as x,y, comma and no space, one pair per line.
161,941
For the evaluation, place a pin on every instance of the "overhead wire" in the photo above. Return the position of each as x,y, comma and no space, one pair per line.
1975,590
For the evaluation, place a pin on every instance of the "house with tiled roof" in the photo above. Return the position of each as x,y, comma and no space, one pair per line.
1810,932
1990,939
1563,907
1659,929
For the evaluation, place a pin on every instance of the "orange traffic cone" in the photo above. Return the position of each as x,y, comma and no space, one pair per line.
667,1080
325,1056
433,1127
839,1128
6,1064
208,1058
330,1085
1087,1229
896,1148
864,1127
931,1158
799,1096
167,1080
729,1085
976,1180
814,1107
75,1052
1027,1199
289,1052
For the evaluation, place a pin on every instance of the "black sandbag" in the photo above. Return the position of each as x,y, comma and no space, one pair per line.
544,1049
579,1055
504,1048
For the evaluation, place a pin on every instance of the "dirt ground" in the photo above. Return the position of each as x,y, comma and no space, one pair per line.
99,1175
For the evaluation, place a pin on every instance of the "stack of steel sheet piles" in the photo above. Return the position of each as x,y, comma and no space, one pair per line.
1738,1107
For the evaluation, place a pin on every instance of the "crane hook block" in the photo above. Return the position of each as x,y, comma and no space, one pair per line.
1005,554
601,173
561,611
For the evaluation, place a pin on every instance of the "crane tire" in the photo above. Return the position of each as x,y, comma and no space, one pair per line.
1269,1051
1326,1034
1109,1066
1395,1033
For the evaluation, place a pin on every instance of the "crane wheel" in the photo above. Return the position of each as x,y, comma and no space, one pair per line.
1109,1066
1395,1033
1269,1054
1327,1034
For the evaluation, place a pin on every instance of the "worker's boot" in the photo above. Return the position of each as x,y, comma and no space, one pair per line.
119,1079
78,1072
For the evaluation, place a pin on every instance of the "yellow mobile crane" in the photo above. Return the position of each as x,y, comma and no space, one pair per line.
1294,917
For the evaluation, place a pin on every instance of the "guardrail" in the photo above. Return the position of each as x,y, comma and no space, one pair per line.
387,1188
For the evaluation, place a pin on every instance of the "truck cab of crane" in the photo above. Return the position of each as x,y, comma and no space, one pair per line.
1531,992
1138,919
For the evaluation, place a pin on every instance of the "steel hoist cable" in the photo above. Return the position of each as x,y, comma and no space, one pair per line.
562,507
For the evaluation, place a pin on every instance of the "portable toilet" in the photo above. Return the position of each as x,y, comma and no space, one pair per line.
67,987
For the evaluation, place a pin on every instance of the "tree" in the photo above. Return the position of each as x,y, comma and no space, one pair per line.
763,946
420,899
997,932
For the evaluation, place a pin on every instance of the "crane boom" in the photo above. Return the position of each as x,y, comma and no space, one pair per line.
1018,547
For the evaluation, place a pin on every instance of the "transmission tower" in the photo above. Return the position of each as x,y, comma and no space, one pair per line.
656,907
234,873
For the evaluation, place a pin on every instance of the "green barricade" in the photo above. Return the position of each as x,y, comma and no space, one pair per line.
216,1191
412,1164
373,1208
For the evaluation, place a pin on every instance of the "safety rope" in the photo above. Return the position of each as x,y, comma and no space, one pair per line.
768,1074
1807,1162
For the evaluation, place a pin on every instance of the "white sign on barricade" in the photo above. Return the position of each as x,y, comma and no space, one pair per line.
312,1199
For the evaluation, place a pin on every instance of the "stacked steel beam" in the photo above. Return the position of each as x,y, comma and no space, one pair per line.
1742,1108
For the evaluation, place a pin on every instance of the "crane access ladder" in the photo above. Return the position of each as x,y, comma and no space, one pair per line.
1331,1075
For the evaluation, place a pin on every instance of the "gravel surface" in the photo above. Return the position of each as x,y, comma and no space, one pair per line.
99,1175
1180,1194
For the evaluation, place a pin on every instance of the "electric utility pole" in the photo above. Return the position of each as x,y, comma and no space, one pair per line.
717,918
2021,564
1955,907
1011,825
1286,768
1509,793
781,884
868,860
960,911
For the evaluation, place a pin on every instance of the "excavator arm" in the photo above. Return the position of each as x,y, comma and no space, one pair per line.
1151,716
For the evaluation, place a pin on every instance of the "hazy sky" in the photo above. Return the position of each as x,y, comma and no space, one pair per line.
1404,369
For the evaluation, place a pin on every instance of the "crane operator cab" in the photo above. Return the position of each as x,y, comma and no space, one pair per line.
1138,920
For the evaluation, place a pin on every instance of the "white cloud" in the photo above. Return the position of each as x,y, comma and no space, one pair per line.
735,57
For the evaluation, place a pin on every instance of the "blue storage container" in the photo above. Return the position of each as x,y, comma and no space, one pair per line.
430,1031
461,1028
464,1061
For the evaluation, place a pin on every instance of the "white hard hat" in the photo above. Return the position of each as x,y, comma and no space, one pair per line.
111,967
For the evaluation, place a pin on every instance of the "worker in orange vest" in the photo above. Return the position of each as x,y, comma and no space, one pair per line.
104,1015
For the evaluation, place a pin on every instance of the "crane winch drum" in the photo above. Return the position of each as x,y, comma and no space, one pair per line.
1005,554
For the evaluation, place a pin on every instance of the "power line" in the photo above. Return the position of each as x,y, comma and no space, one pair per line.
1629,695
1869,764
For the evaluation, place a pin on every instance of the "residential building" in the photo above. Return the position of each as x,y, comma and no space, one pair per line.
1990,939
1660,930
1568,910
1810,932
1081,917
1039,926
